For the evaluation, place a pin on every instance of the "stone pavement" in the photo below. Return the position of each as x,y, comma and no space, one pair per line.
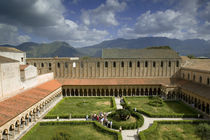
117,101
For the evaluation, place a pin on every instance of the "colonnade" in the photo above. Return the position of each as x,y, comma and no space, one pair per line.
110,91
15,128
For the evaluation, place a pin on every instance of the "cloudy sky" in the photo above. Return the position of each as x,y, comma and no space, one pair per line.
87,22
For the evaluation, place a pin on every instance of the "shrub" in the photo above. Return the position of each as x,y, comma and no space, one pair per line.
61,136
156,101
122,114
203,130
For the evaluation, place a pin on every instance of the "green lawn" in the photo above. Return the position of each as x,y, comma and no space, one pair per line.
70,131
169,107
82,106
183,131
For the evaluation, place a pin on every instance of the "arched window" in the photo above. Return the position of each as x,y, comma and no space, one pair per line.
34,64
122,64
169,64
200,79
106,64
161,63
58,64
154,64
42,64
130,64
49,64
114,64
146,64
177,63
98,64
138,64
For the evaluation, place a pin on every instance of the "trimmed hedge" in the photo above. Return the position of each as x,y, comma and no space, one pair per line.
172,115
153,128
96,124
66,116
139,122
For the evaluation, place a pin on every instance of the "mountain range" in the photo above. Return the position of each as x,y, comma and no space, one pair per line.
196,47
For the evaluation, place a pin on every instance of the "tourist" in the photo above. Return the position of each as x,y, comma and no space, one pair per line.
135,109
97,118
111,124
120,129
86,117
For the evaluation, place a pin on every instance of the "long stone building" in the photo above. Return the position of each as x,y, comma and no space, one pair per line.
119,72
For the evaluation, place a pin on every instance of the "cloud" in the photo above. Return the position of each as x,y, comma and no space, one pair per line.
104,14
10,35
45,19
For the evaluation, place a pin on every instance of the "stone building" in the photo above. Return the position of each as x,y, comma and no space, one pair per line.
119,72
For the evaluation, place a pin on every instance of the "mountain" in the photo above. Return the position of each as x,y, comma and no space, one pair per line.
57,48
195,47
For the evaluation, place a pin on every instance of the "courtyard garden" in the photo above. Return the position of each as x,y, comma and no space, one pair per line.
78,130
79,107
177,130
156,107
126,119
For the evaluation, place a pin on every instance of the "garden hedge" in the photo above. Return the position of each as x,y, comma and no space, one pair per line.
172,115
153,128
139,122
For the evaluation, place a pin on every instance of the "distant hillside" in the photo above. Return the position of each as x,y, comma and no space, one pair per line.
195,47
61,49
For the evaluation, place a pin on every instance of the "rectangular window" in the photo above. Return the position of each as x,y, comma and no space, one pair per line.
114,64
106,64
21,59
161,63
98,64
154,64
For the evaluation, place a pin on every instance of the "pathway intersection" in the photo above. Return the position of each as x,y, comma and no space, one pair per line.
126,134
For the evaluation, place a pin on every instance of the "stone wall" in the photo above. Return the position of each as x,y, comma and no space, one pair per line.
21,57
197,76
28,73
9,79
106,68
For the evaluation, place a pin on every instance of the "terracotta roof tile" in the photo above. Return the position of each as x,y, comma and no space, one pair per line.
13,106
117,81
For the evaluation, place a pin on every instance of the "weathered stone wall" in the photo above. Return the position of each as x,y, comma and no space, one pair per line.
21,57
30,72
196,76
106,68
9,79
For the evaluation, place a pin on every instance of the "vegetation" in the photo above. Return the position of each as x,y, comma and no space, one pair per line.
130,119
78,130
168,109
173,130
156,101
79,107
191,56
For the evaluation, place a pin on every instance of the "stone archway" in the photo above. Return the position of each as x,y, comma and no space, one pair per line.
120,92
115,93
102,92
98,92
107,92
124,92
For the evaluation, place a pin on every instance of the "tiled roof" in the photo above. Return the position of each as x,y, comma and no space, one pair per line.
12,107
116,81
7,60
198,64
9,49
199,89
140,53
22,67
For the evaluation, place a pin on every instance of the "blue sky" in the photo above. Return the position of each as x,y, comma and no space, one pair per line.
87,22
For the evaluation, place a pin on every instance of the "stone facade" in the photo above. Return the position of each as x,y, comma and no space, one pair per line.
106,68
19,56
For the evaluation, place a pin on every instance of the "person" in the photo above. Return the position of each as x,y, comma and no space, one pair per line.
102,121
57,118
138,131
135,109
120,129
86,117
97,118
111,124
